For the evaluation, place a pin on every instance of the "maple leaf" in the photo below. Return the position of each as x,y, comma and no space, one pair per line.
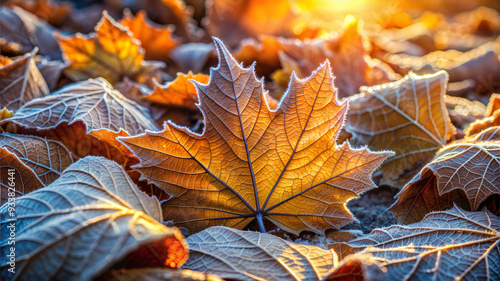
21,32
408,116
463,172
178,93
260,256
111,52
37,162
253,162
84,223
86,117
448,245
20,81
156,40
348,54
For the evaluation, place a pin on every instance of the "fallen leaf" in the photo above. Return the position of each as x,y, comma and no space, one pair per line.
179,93
347,53
463,172
48,10
158,274
192,56
247,255
85,222
111,52
37,161
491,117
156,40
251,162
21,32
263,51
20,82
361,267
448,245
408,116
233,21
51,71
86,117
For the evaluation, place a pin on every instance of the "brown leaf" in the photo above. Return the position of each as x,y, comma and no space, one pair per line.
86,117
179,93
20,82
247,255
38,161
408,116
463,172
21,32
448,245
263,51
88,220
233,21
111,52
480,65
491,117
252,162
156,40
48,10
347,53
51,71
361,267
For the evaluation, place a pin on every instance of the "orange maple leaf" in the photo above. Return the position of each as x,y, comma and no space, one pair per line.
253,162
111,52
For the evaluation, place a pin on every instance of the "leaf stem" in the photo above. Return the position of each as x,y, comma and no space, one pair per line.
260,220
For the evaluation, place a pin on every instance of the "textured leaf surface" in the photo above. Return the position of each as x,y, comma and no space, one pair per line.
449,245
93,102
246,255
408,116
181,92
38,161
111,52
20,82
156,40
253,162
464,172
158,274
491,117
347,54
90,218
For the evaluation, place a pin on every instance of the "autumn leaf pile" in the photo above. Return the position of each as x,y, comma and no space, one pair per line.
252,140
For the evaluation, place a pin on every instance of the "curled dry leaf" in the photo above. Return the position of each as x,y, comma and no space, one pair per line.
87,117
156,40
347,53
158,274
37,162
21,32
233,21
179,93
51,71
263,51
192,56
20,81
251,162
480,65
491,117
408,116
111,52
448,245
362,267
49,10
247,255
464,172
85,222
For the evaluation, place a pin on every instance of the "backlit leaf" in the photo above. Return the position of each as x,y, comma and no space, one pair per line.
247,255
464,172
158,274
252,162
111,52
49,10
20,82
88,220
408,116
